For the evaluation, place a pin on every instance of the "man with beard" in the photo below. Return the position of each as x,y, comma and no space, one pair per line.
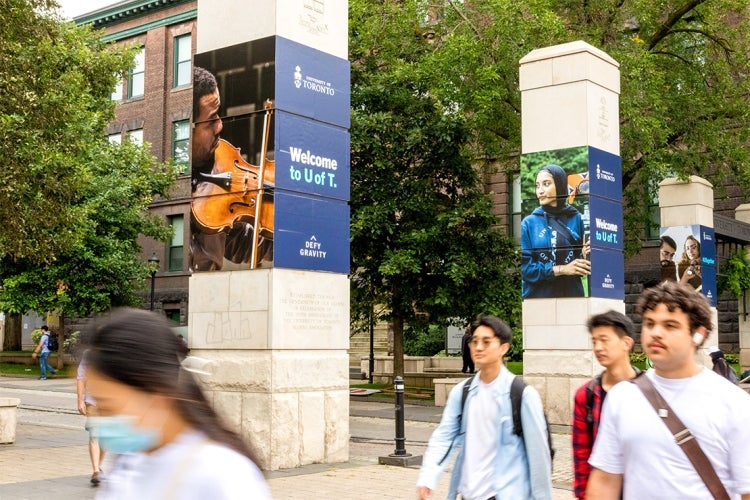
209,248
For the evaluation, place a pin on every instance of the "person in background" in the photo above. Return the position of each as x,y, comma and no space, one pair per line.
87,408
170,441
721,366
468,363
689,267
612,339
42,350
554,255
492,461
667,250
635,453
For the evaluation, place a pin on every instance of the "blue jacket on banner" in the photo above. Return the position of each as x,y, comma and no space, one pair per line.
522,464
550,239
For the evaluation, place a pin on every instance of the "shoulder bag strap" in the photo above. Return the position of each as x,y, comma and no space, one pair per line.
683,437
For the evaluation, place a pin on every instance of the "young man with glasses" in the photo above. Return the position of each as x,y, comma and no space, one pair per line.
492,461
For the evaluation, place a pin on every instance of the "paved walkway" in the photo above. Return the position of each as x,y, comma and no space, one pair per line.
50,456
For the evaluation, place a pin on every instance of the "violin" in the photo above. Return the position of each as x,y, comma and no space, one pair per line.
233,191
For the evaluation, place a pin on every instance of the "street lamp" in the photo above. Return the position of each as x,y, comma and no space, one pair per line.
153,263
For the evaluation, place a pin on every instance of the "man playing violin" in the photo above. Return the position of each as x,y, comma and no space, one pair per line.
209,248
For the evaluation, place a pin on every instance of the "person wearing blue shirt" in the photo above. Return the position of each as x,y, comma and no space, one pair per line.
42,349
492,461
553,251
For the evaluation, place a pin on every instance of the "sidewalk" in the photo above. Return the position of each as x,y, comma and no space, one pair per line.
50,456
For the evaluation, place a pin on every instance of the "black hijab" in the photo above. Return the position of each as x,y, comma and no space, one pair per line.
561,190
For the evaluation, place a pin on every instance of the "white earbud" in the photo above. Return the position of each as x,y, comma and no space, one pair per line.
697,338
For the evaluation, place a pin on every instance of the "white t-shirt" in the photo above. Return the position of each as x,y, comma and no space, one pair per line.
633,441
189,468
481,443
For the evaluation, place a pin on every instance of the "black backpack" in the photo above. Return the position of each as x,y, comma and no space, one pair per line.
516,394
52,343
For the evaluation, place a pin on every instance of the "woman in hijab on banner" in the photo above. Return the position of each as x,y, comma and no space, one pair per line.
168,440
554,249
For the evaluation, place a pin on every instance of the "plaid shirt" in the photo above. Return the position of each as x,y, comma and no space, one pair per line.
583,433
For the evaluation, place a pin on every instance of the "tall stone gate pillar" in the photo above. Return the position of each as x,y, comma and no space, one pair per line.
570,139
687,215
269,294
742,213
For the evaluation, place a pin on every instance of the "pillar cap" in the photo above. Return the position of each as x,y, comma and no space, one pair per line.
567,49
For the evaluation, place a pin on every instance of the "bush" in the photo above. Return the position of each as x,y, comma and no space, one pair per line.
421,342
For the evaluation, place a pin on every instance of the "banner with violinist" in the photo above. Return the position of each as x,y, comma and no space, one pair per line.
238,125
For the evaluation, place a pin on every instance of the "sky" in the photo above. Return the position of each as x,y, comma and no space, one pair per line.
73,8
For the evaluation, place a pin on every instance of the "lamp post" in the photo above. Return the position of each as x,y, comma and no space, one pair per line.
153,263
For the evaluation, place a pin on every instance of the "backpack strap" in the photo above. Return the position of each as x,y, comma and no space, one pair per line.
516,394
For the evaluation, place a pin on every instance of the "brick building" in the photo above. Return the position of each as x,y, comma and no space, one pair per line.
155,103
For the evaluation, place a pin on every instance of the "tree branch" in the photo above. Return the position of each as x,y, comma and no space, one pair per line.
667,25
452,3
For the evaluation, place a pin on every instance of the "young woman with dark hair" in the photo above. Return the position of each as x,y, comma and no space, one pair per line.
172,444
554,252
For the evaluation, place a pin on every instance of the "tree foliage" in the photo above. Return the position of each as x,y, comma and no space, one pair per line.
435,90
684,82
424,244
72,205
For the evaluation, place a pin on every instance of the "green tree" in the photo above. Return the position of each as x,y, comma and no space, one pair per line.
72,205
684,83
424,243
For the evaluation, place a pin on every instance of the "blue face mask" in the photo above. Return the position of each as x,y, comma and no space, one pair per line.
119,434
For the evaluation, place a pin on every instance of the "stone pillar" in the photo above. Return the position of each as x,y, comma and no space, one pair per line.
742,213
570,99
278,333
691,203
8,419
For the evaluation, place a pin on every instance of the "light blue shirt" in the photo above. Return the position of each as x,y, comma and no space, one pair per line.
522,464
45,343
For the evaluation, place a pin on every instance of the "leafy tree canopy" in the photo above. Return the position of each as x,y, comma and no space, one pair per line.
435,90
423,239
72,205
684,82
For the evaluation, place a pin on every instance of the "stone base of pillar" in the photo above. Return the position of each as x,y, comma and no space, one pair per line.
278,341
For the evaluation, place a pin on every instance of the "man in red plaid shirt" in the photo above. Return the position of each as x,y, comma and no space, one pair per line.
612,339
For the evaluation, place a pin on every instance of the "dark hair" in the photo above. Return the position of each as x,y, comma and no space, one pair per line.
44,327
669,241
620,323
676,295
137,348
204,83
498,326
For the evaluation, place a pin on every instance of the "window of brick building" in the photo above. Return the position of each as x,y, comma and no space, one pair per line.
515,209
177,223
115,138
180,142
135,136
182,54
117,92
137,77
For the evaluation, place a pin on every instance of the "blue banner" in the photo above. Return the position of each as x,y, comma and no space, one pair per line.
311,157
312,233
312,83
708,263
606,224
607,274
605,174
